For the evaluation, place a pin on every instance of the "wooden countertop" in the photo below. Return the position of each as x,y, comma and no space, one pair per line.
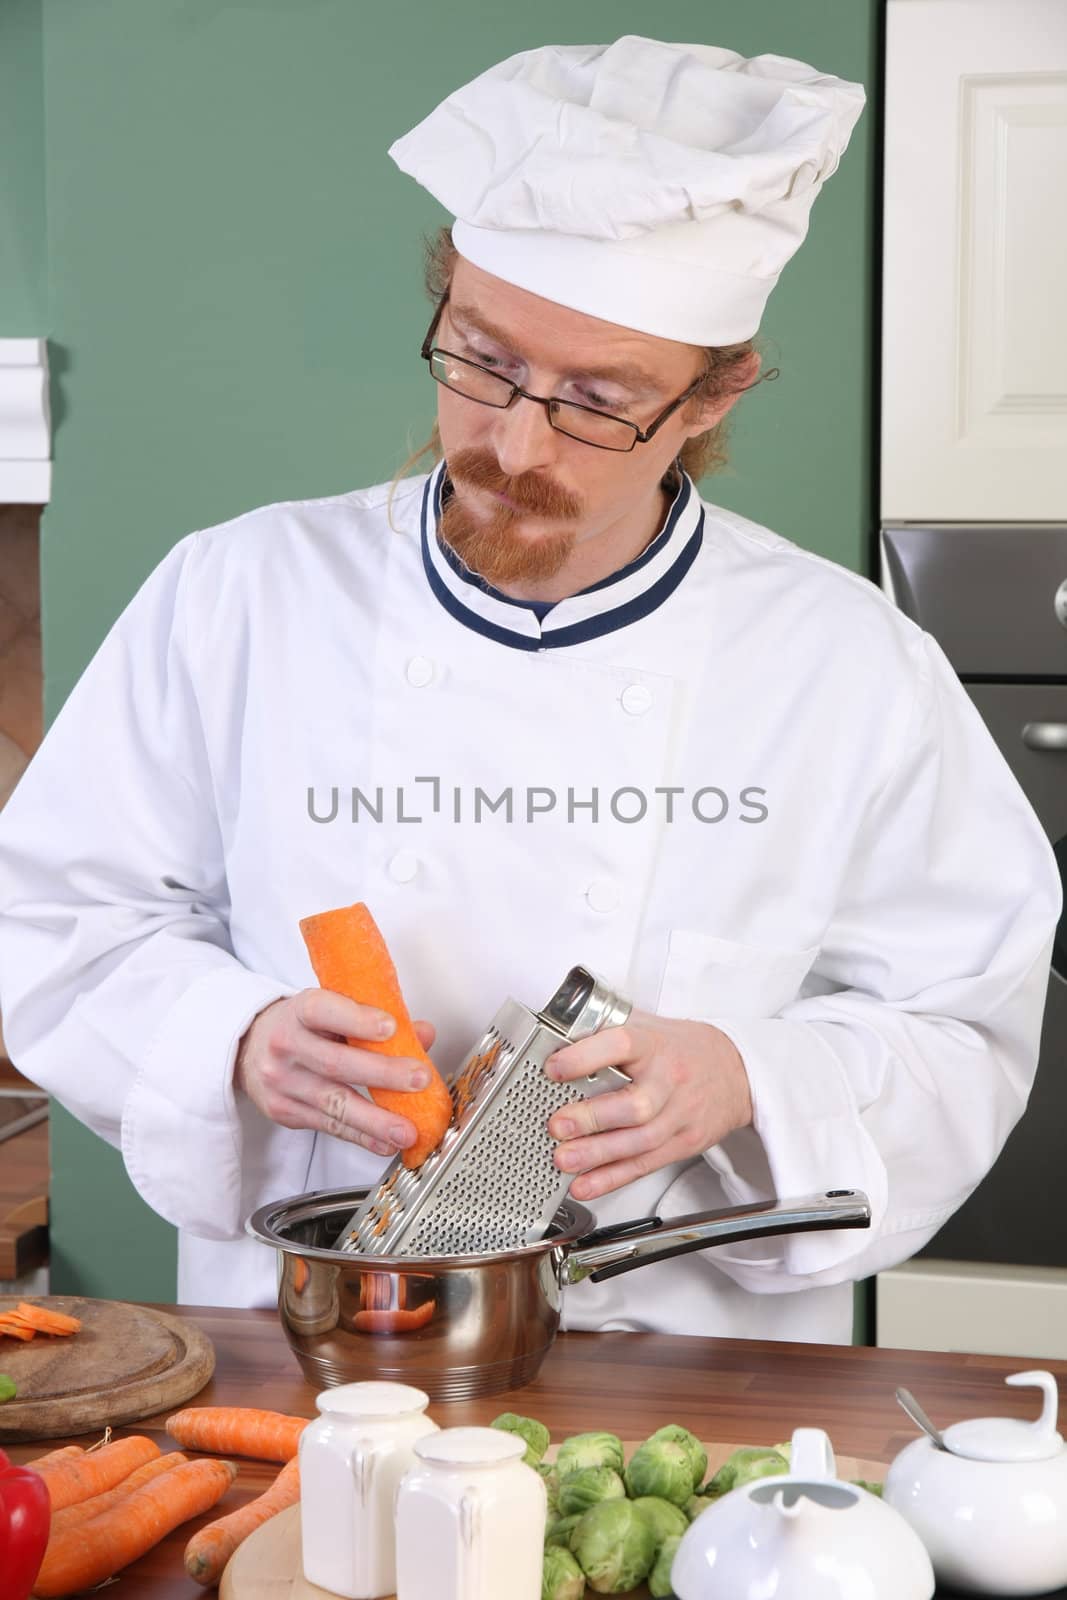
742,1391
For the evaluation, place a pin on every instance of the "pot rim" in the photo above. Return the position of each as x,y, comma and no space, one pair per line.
263,1222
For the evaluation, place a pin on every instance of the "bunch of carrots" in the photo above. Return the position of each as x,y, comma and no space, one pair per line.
113,1502
26,1321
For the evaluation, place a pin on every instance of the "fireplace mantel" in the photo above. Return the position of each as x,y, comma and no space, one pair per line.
25,423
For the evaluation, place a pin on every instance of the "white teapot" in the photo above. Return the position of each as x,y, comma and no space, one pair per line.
992,1507
802,1536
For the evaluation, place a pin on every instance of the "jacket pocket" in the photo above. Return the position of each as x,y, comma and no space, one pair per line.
708,977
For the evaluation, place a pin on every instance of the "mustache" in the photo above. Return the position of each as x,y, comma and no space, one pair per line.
475,469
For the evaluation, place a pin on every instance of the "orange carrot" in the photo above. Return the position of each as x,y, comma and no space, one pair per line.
394,1321
65,1454
46,1320
78,1558
350,957
208,1551
85,1510
238,1431
94,1472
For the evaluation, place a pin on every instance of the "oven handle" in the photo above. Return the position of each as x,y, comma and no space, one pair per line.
1045,735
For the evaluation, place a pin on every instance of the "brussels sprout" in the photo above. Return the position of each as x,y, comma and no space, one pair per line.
784,1449
561,1576
587,1487
615,1546
660,1467
665,1518
692,1446
551,1480
871,1488
698,1503
559,1532
745,1466
659,1579
534,1433
589,1450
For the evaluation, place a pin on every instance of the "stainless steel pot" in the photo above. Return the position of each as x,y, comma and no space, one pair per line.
469,1325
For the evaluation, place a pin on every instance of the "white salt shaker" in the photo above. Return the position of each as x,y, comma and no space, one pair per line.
470,1519
352,1459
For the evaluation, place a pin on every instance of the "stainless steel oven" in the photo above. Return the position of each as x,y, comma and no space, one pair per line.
995,598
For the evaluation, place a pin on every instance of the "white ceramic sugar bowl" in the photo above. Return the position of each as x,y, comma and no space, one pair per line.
352,1459
992,1509
803,1536
470,1519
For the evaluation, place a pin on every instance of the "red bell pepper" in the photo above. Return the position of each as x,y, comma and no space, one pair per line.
25,1517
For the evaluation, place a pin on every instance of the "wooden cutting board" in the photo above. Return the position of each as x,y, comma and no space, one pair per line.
268,1565
127,1362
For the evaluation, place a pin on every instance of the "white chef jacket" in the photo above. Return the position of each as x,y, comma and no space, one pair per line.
743,788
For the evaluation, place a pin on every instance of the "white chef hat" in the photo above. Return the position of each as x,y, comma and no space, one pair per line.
662,187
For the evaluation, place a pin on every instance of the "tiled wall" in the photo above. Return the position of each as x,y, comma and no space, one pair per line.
21,686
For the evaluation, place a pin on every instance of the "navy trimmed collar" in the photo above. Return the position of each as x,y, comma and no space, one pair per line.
614,602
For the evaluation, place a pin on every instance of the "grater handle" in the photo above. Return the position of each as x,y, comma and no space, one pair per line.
607,1252
583,1004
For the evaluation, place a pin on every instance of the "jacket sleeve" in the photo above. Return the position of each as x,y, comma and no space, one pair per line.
119,989
906,1074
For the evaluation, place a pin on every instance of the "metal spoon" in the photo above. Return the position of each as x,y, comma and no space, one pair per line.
915,1411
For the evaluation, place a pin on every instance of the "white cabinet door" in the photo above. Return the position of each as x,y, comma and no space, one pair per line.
974,373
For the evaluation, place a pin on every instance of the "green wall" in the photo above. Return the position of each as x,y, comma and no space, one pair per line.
200,214
23,284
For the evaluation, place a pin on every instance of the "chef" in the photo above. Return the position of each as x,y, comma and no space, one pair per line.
546,705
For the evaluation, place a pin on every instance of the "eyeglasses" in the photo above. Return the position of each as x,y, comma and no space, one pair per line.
585,423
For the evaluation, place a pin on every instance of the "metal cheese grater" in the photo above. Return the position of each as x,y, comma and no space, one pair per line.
491,1183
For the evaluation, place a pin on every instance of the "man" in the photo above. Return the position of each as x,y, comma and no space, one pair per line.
545,706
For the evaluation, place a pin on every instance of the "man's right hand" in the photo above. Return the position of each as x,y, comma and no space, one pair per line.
296,1065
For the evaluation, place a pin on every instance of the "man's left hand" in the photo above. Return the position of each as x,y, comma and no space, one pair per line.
688,1090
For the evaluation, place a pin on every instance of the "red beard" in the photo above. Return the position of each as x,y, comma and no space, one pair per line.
489,544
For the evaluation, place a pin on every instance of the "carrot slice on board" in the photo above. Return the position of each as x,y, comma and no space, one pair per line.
10,1329
46,1320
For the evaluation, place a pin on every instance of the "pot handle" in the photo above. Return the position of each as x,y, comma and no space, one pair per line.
608,1251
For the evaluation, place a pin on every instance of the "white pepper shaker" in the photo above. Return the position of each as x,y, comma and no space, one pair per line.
352,1459
470,1519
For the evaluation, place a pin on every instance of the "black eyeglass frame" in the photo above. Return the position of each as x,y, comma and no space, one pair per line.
641,436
